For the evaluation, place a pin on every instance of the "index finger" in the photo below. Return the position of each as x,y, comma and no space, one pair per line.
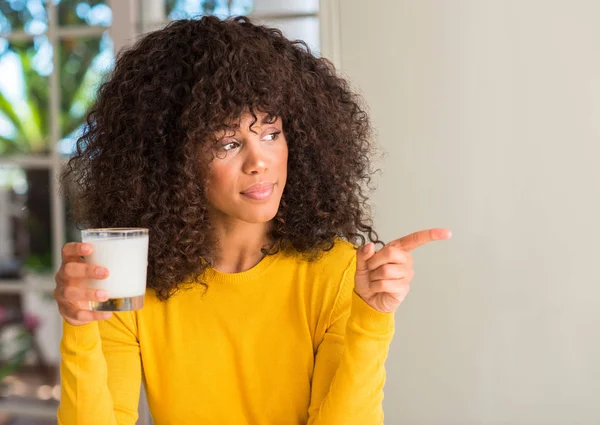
75,249
417,239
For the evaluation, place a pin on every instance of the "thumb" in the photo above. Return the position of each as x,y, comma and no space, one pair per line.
363,254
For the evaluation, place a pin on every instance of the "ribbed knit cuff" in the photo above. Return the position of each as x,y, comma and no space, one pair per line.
369,319
80,338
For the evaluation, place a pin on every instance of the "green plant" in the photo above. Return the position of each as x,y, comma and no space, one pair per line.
39,263
29,116
19,345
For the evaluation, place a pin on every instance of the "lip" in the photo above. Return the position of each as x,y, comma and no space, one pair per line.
259,191
259,187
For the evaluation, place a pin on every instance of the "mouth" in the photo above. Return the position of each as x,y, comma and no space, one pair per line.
259,192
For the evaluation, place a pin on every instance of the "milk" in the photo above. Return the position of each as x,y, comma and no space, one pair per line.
126,260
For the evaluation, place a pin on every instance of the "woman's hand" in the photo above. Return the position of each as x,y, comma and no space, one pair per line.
383,277
71,285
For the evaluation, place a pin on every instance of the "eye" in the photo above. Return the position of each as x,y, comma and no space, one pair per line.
273,136
228,146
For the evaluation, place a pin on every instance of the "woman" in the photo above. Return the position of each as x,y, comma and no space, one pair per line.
246,157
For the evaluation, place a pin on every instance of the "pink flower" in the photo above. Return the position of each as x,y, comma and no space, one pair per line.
31,321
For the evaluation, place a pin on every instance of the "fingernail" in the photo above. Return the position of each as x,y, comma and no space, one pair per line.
86,249
366,248
102,295
100,272
107,315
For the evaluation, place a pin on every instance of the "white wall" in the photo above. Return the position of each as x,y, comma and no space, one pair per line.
490,113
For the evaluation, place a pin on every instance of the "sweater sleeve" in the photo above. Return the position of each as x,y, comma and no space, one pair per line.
100,372
349,372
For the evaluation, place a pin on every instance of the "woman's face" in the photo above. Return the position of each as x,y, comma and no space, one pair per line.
249,170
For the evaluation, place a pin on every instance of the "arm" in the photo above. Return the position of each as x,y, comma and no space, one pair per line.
100,372
349,374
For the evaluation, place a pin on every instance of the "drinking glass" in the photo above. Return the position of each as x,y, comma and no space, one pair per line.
124,252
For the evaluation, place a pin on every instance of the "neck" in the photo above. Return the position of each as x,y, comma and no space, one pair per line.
239,245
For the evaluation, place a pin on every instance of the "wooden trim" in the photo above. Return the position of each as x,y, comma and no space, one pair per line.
329,22
27,161
123,28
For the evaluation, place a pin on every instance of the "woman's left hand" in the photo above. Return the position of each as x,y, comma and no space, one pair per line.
383,278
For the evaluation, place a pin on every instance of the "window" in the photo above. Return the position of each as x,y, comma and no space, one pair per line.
53,54
298,19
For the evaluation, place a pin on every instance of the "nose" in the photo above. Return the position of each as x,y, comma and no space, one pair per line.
255,161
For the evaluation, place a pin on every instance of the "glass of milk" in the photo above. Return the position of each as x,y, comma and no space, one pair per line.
124,252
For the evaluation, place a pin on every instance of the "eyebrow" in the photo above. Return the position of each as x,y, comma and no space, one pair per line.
235,126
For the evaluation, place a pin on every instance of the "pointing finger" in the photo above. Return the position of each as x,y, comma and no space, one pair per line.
417,239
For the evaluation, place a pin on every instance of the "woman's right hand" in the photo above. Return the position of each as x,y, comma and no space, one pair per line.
72,291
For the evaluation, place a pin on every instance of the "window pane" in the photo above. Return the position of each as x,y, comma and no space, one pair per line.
181,9
84,12
85,62
23,15
305,29
13,241
25,219
25,67
285,6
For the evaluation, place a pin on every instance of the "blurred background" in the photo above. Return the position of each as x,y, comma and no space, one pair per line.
53,55
488,114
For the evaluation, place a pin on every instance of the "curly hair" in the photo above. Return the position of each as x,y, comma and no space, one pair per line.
136,163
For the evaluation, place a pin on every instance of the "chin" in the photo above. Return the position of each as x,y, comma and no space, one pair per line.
259,213
257,217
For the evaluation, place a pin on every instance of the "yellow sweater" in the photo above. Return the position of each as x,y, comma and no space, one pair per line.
286,342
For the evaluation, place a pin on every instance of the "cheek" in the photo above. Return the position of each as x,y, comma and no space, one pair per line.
218,180
221,175
283,159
